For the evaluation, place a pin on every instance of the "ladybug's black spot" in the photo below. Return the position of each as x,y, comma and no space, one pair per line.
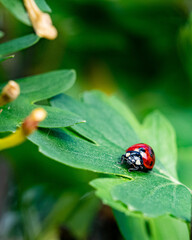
142,149
151,153
151,163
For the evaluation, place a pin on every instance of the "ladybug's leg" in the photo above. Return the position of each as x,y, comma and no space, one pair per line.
123,159
135,168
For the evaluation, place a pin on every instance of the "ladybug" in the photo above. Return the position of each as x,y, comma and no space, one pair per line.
139,157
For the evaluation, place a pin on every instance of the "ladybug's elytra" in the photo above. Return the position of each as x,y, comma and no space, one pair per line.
139,157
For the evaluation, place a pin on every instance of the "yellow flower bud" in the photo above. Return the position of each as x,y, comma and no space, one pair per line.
29,125
9,93
41,22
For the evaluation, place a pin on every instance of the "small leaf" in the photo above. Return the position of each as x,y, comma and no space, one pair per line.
37,88
43,5
47,85
16,7
18,44
57,117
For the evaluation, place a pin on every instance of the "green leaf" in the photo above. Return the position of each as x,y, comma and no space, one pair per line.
43,5
126,113
59,118
104,125
37,88
103,189
158,133
67,147
152,194
18,44
98,144
16,7
106,136
47,85
154,228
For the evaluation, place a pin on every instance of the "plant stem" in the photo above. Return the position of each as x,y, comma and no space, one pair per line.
29,126
13,140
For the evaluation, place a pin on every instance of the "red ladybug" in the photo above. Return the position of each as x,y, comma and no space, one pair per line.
139,157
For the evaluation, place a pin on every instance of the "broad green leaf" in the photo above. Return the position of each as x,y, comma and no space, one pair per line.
153,195
98,144
16,7
129,223
158,133
18,44
104,125
37,88
153,131
67,147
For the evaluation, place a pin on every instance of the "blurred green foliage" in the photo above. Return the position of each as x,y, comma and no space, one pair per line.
140,49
